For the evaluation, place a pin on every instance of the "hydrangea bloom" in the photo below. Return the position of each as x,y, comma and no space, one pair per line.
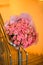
21,31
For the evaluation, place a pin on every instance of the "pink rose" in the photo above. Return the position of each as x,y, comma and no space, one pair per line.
21,30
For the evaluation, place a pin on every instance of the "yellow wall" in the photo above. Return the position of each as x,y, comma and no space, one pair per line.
32,7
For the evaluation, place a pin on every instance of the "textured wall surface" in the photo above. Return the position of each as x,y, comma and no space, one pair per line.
32,7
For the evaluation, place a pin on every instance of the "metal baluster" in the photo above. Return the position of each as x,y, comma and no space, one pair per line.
19,57
10,60
26,58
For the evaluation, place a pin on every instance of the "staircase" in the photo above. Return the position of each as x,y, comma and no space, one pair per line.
9,55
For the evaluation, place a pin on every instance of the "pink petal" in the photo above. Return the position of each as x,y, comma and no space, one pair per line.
19,37
14,38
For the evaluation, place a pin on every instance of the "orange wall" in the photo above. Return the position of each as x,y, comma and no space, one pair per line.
32,7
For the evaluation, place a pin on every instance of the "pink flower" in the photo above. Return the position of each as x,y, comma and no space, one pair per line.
29,40
21,30
18,37
15,42
14,37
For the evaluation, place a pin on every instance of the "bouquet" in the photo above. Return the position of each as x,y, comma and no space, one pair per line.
21,30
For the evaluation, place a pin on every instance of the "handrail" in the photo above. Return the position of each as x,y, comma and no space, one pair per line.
24,50
5,36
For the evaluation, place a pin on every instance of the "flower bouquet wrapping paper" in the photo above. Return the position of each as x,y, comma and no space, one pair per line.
21,30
